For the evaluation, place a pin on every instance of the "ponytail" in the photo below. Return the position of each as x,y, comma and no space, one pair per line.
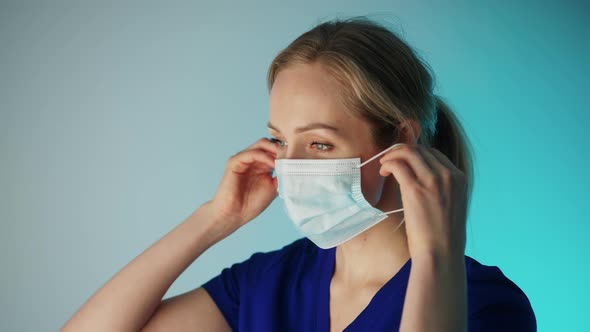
450,139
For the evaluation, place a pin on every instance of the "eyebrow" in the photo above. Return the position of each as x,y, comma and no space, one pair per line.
311,126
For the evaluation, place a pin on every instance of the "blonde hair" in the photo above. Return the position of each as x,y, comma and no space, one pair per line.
383,81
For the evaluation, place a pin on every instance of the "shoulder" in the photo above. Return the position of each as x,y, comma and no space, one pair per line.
263,267
489,284
298,252
298,256
495,300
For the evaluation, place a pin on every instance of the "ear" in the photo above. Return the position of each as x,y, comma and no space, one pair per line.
409,131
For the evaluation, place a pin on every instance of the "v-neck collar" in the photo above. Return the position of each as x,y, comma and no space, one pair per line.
396,284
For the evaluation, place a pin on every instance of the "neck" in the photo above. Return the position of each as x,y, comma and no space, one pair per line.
376,255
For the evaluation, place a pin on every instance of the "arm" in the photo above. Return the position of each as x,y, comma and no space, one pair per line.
191,311
436,298
128,300
434,197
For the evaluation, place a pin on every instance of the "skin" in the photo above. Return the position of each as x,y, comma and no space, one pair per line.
421,179
430,188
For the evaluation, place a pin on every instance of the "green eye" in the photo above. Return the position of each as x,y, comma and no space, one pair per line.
321,147
278,142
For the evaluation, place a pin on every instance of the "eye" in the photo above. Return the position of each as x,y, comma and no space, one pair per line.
278,142
321,147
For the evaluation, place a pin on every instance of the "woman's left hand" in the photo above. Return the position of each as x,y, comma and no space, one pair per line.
434,198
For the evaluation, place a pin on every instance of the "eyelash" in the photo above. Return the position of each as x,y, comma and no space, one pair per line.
314,143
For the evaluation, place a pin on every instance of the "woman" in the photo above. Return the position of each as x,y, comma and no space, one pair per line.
350,104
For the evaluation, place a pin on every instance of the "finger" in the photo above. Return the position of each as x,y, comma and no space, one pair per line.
264,144
245,160
415,160
432,161
443,159
400,170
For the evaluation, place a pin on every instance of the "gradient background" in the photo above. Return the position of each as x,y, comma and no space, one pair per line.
116,121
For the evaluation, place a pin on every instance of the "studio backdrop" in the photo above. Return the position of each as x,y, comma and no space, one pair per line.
117,118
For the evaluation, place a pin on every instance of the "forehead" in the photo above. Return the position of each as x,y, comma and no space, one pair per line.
306,93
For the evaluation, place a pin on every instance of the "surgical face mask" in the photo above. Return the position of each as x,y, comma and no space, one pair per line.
323,198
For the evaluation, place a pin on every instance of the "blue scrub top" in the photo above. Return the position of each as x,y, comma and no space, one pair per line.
288,290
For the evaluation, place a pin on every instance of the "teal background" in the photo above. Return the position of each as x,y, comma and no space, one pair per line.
116,120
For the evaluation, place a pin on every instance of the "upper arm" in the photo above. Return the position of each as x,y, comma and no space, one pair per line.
192,311
505,316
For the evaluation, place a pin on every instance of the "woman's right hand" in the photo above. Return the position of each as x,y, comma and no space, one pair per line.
132,299
247,187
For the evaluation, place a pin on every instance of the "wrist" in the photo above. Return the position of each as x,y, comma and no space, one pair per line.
439,249
209,223
438,255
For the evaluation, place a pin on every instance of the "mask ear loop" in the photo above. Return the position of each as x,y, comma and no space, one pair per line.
373,158
378,154
401,222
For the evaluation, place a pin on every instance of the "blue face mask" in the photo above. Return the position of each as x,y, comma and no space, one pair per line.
323,198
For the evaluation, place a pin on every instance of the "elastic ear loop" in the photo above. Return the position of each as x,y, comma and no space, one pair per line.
373,158
378,154
400,223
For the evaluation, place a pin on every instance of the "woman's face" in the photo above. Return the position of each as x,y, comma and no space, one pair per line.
307,121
